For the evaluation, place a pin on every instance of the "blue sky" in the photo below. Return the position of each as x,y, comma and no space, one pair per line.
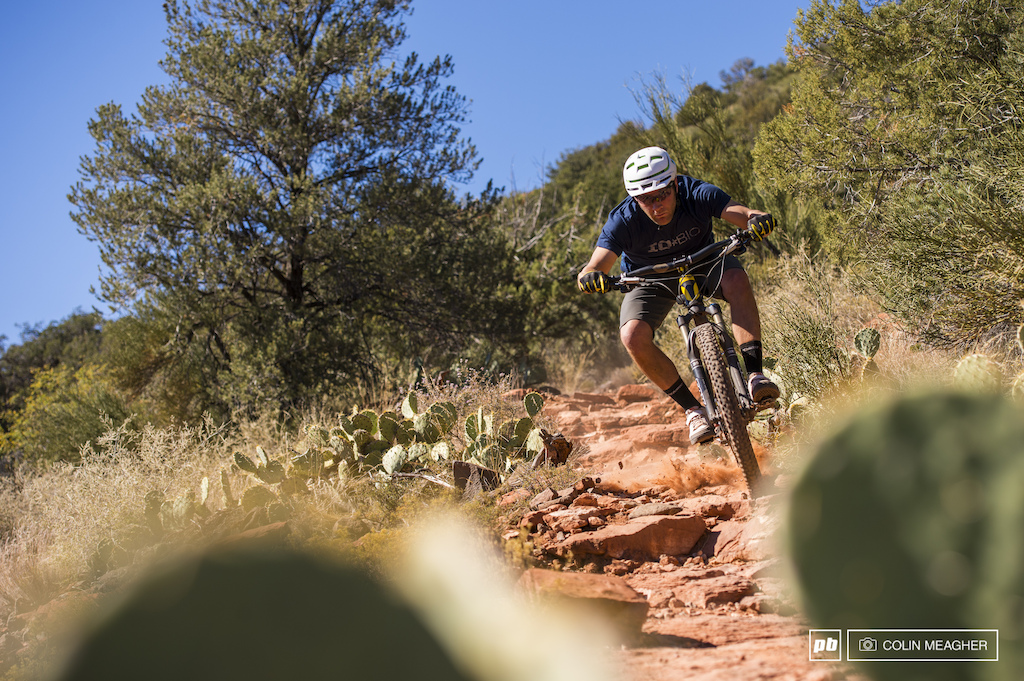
543,78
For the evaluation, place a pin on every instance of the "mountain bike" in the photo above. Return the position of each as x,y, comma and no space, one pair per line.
709,345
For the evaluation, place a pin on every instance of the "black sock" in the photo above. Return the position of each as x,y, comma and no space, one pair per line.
682,395
752,359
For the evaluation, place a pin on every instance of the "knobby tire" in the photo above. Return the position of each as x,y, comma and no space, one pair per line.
732,421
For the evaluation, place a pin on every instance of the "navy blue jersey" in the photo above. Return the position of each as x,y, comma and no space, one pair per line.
640,241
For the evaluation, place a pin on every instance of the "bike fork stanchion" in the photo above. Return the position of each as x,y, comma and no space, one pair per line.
696,366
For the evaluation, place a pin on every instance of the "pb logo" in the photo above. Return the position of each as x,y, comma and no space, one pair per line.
824,644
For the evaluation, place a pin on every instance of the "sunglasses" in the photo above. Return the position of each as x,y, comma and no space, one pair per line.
656,197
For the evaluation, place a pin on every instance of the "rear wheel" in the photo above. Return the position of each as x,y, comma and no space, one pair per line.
732,421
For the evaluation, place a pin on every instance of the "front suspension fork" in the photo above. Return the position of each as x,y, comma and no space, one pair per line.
696,366
685,323
733,360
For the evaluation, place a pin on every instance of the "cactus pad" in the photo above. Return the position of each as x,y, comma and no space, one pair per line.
202,610
533,402
910,517
394,459
410,406
245,463
867,342
257,496
978,373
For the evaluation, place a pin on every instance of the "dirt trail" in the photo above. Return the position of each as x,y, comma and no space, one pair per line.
721,610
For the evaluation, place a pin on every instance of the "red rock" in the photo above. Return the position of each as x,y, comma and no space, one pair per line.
585,484
605,423
669,434
593,398
718,506
571,519
635,393
645,538
606,596
716,590
532,519
543,498
749,540
514,497
586,499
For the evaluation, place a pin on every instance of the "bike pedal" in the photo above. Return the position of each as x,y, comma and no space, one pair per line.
770,403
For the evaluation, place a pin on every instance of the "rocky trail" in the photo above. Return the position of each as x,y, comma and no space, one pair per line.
663,536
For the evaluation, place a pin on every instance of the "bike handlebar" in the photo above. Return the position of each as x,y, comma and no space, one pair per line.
736,242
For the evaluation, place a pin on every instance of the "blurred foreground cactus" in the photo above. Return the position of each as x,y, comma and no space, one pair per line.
912,517
260,614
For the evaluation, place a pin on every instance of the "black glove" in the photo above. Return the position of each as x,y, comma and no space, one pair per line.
761,226
594,282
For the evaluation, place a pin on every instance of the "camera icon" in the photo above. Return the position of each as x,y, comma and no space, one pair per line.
867,645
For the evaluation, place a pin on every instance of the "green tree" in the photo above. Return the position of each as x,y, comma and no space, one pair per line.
711,135
64,409
70,343
281,197
906,129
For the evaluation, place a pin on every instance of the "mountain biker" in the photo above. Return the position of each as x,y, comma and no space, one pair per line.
668,215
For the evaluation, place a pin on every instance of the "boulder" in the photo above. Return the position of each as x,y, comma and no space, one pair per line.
716,590
572,519
657,508
750,540
646,538
605,596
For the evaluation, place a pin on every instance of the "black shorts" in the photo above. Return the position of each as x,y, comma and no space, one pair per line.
652,303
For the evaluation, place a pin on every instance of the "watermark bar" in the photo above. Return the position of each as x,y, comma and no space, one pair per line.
923,645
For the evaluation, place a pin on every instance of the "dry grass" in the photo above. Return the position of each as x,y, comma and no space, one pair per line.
63,514
55,522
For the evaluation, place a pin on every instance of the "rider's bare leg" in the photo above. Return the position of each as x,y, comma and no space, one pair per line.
638,338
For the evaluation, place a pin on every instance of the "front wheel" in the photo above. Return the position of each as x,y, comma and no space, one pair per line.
730,416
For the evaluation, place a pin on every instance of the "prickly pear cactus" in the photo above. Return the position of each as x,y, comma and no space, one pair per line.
911,517
188,610
410,406
533,403
867,342
978,373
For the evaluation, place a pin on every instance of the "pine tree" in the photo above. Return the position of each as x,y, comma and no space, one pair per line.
286,197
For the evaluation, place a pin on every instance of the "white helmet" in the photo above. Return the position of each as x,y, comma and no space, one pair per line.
648,170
